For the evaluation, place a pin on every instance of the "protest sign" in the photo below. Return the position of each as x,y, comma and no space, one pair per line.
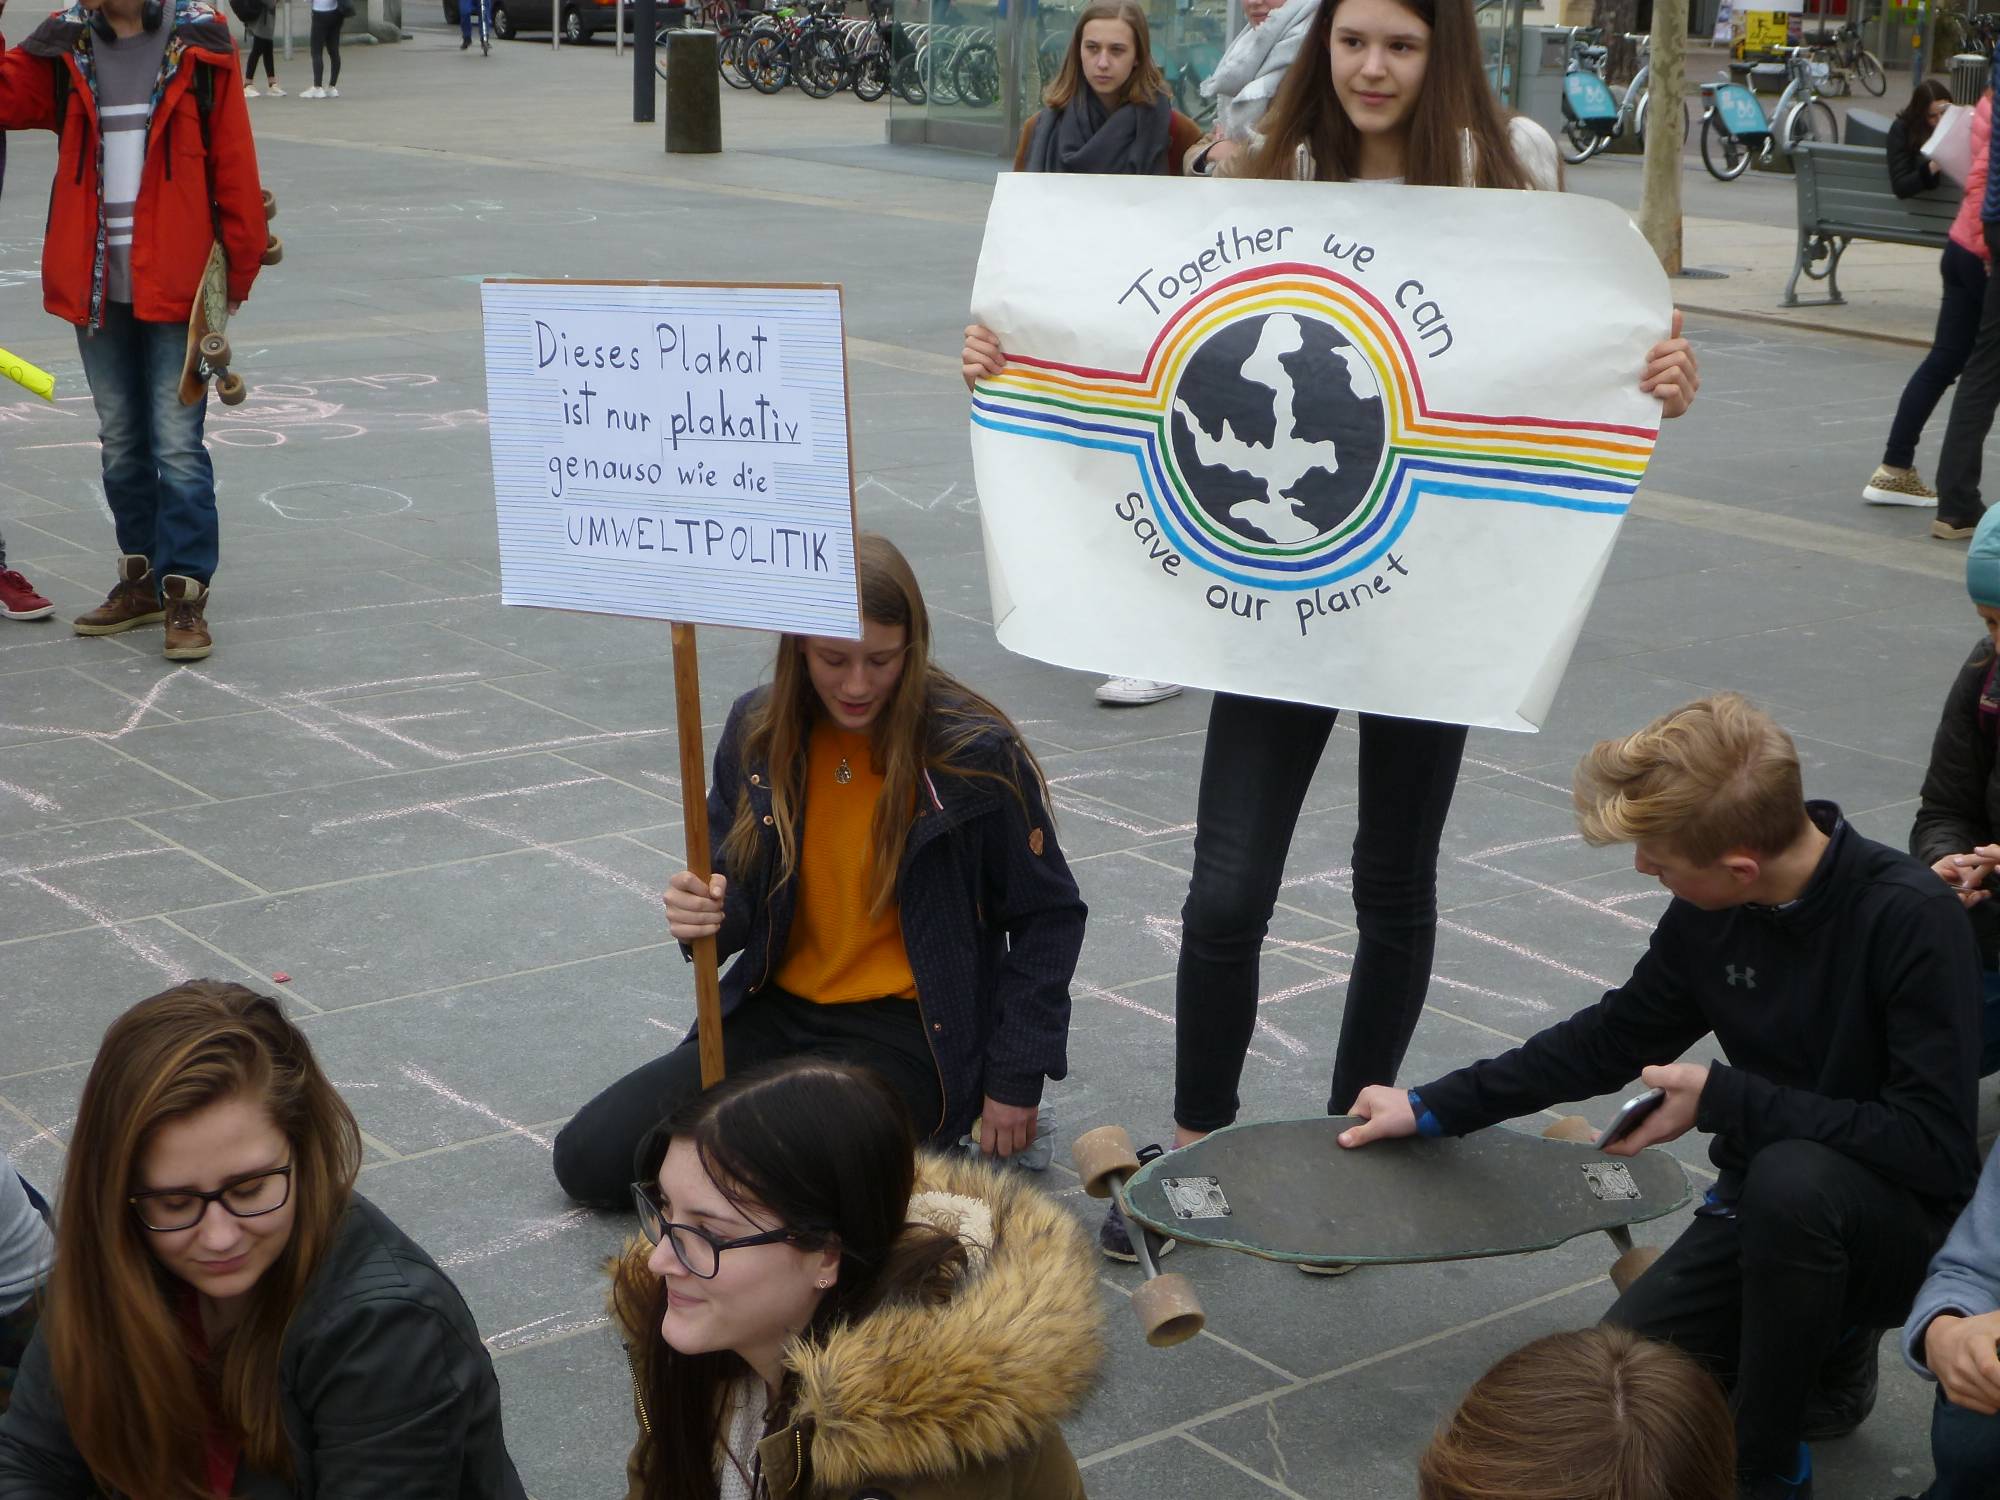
677,451
673,451
1348,444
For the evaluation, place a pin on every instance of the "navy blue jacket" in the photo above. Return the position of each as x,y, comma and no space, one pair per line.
991,919
1849,1016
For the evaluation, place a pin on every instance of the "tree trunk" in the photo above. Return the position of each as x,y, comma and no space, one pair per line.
1660,203
1615,18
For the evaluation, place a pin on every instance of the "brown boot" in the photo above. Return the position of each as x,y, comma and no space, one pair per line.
187,631
132,601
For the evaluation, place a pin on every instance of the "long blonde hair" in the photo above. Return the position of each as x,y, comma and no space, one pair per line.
135,1403
1145,85
930,723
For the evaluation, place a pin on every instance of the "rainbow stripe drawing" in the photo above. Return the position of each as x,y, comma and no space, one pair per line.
1378,468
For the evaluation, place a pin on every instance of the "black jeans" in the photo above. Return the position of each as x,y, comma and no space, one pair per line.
1820,1246
595,1151
1259,761
1972,411
326,39
1965,1448
260,48
1964,278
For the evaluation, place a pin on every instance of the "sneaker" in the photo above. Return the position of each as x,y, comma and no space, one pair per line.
1339,1270
1114,1239
1130,692
332,93
1797,1485
1887,486
273,90
1844,1394
18,599
187,629
132,601
315,92
250,93
1951,531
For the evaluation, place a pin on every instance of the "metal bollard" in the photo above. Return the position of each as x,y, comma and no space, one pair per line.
643,84
694,103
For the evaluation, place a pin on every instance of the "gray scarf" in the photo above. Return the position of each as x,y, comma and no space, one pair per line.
1083,136
1246,80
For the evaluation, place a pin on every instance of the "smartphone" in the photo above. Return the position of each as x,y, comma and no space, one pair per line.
1630,1113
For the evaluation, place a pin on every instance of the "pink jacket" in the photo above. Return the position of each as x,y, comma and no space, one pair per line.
1965,229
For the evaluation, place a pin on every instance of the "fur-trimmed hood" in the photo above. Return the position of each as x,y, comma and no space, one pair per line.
918,1398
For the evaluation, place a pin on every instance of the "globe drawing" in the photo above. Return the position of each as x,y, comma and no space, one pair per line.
1278,429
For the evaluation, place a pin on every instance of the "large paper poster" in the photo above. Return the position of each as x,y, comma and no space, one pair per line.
674,451
1345,444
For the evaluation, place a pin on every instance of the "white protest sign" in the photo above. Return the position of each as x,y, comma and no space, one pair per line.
674,451
1348,444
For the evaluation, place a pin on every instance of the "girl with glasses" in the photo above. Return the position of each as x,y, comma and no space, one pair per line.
890,884
226,1315
817,1312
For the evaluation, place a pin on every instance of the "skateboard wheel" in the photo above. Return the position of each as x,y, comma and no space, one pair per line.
1633,1264
214,350
270,204
273,252
1101,1154
1169,1311
230,390
1572,1128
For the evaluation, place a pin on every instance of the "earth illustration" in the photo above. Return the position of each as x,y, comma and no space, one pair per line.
1278,428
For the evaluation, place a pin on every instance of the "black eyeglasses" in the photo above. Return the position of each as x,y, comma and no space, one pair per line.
182,1208
698,1251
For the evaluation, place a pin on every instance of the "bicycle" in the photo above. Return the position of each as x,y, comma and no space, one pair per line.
1588,107
1595,134
1961,33
1852,60
1735,131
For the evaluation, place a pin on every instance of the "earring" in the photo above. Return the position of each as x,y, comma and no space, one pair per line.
822,1285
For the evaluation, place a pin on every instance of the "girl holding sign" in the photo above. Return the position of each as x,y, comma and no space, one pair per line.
817,1312
1391,92
890,882
225,1315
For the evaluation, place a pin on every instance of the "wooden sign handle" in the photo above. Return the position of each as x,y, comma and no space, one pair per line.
694,812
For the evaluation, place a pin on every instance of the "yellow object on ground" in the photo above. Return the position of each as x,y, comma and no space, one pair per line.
28,377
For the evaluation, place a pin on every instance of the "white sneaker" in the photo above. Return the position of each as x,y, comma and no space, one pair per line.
1887,486
274,91
333,93
250,93
1130,692
315,92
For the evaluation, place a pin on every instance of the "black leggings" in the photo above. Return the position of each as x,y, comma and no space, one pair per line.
326,38
260,46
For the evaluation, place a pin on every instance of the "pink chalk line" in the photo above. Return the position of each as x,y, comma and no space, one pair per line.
500,1343
1528,953
1436,978
138,946
83,859
34,799
514,1239
446,1091
451,804
1601,907
1077,805
1499,849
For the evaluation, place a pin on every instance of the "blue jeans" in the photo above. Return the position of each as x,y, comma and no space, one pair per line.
1965,1447
157,477
1964,277
466,10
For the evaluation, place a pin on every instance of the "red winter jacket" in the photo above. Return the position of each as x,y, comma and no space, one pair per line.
173,228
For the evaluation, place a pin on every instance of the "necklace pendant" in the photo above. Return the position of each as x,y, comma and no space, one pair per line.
843,773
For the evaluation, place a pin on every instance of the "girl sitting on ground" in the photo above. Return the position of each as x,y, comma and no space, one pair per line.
226,1315
819,1313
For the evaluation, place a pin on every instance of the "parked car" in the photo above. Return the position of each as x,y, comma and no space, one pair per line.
581,19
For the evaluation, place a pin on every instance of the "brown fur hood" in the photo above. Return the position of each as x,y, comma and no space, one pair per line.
924,1392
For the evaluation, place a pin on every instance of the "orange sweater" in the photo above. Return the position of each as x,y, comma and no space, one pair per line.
839,953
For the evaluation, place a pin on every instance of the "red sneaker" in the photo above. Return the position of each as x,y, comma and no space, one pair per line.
18,599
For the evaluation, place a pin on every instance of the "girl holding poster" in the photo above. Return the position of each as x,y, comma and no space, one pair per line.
1390,92
891,884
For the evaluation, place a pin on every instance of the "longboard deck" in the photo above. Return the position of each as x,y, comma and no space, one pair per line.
1287,1190
209,315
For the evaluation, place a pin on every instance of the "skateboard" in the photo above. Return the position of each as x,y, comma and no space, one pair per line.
208,353
1286,1190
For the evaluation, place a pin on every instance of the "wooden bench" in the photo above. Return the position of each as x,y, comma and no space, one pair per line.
1844,195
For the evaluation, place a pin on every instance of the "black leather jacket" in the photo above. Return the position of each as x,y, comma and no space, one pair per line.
387,1390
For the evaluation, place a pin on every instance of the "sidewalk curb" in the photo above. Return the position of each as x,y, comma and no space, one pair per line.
1776,320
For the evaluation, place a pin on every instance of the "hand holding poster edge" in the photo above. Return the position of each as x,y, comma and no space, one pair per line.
1169,263
687,680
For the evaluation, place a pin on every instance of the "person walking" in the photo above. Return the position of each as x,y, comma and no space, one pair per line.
259,24
19,599
1962,268
133,90
1963,454
328,16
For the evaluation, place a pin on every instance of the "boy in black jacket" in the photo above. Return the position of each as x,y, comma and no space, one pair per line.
1842,983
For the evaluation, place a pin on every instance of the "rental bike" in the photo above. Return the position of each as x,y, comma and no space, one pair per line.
1735,131
1583,105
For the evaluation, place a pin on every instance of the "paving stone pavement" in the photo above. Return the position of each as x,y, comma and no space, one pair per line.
447,822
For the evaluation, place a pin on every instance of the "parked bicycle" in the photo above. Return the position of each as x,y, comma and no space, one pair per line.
1587,126
1850,60
1959,32
1735,131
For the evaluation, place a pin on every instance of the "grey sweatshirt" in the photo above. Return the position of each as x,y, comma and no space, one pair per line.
1964,1277
25,1245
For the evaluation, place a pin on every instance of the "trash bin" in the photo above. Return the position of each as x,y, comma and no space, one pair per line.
694,88
1969,75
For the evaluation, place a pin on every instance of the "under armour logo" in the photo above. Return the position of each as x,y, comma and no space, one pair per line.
1748,977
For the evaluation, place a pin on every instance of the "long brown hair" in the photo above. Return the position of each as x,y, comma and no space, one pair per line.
1596,1414
931,722
824,1149
1145,85
1454,106
134,1400
1916,115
